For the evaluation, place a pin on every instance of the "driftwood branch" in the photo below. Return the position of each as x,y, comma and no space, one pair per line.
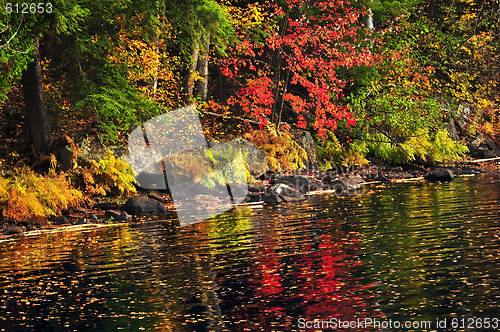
481,160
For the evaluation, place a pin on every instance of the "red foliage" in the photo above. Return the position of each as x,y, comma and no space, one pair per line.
298,62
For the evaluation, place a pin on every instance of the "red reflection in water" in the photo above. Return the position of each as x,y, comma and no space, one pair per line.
310,278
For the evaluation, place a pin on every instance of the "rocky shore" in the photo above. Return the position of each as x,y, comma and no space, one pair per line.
270,188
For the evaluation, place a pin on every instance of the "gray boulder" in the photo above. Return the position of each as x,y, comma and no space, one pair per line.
305,140
303,184
90,149
117,215
13,230
143,205
282,193
452,130
346,185
483,147
492,146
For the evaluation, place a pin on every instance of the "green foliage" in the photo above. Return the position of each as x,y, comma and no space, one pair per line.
420,147
195,18
26,196
18,31
283,153
381,147
110,175
332,152
119,110
398,100
447,150
233,165
230,166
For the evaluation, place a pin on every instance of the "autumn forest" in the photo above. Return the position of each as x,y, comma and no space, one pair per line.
370,80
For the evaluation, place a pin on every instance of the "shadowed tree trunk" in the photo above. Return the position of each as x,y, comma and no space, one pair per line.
36,112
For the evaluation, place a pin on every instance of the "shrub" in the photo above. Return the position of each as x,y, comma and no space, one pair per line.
445,149
110,175
420,147
197,167
332,152
118,111
283,153
26,196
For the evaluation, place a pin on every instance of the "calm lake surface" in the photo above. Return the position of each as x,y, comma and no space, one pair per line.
400,252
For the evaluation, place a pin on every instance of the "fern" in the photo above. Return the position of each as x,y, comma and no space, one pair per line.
419,147
27,196
331,152
283,153
113,174
446,149
197,167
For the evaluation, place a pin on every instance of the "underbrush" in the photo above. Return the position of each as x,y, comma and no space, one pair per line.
29,197
421,147
210,167
110,175
26,196
283,153
331,152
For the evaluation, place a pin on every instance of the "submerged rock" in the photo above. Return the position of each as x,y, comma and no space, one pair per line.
258,187
117,215
282,193
143,205
440,174
470,171
13,230
62,220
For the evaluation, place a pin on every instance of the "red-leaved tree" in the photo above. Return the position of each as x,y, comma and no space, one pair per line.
287,59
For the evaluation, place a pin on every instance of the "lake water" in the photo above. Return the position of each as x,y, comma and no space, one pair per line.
412,253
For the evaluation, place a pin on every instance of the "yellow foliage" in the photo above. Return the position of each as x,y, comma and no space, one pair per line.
331,152
283,153
4,193
208,167
26,196
109,175
421,147
146,62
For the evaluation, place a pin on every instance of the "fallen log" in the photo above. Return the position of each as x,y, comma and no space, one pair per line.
481,160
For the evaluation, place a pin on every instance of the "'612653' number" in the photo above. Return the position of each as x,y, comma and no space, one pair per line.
28,8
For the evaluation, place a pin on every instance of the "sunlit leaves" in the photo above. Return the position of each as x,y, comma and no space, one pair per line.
290,68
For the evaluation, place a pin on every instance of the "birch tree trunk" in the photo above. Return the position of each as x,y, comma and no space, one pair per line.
202,85
195,52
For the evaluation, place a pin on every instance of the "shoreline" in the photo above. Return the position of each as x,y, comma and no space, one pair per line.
80,218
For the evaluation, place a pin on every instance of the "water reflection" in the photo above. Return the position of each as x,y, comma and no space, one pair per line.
414,251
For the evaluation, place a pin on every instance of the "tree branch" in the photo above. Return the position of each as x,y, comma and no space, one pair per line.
18,27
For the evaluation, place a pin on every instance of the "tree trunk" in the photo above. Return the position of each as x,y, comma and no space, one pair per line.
369,20
280,111
202,85
195,52
36,111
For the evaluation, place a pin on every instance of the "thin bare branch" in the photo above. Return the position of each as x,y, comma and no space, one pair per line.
18,27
